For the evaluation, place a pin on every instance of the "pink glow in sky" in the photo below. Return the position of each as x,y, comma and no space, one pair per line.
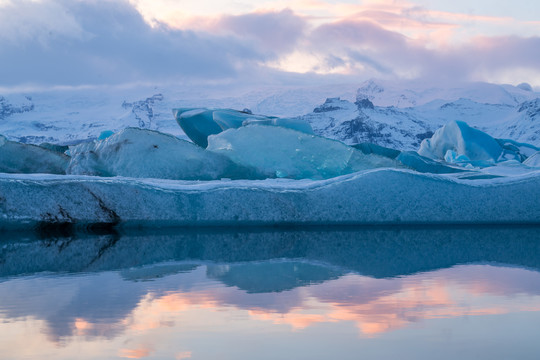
64,42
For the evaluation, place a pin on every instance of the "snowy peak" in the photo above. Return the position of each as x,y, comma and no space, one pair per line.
403,95
525,86
491,108
368,90
381,93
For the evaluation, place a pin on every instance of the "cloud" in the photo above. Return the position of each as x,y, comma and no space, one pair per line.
92,42
277,32
367,49
25,21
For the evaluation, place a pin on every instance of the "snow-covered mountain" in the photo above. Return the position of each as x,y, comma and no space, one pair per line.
402,118
397,115
71,115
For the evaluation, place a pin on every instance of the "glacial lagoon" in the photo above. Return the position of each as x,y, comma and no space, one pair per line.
272,293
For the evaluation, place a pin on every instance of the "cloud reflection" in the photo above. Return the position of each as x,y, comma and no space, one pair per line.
376,306
375,281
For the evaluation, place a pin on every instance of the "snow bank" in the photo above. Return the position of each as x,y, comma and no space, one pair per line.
383,196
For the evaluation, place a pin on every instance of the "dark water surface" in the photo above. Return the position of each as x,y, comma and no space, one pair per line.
354,293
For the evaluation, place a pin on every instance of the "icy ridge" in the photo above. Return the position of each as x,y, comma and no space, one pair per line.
386,196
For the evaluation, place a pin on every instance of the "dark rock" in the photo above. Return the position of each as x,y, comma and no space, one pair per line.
364,104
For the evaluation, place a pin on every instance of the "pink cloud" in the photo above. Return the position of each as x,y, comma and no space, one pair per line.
275,31
370,49
371,40
135,353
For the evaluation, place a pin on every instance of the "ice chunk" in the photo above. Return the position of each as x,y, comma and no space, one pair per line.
145,153
199,123
105,134
278,152
369,148
533,160
422,164
457,142
523,150
55,147
26,159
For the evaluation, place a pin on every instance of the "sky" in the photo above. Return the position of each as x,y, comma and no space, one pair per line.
111,42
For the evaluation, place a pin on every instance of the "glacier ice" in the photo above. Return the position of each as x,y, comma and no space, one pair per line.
55,147
26,159
370,148
135,152
413,160
278,152
379,196
199,123
458,143
105,134
533,160
523,150
321,181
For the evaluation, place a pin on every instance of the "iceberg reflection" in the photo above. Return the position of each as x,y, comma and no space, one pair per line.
160,295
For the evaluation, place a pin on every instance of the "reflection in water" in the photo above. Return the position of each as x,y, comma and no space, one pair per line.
169,295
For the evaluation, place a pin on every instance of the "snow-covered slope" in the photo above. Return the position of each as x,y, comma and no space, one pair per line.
411,94
401,119
70,115
396,115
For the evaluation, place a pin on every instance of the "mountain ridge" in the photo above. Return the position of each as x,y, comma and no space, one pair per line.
388,114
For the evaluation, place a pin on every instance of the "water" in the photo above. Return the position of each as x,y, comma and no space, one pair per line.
369,293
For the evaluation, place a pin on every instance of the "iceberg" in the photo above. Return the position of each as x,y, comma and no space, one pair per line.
140,153
410,159
26,159
458,143
261,173
277,152
199,123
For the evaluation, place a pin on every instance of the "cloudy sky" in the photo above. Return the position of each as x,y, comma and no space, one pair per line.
93,42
